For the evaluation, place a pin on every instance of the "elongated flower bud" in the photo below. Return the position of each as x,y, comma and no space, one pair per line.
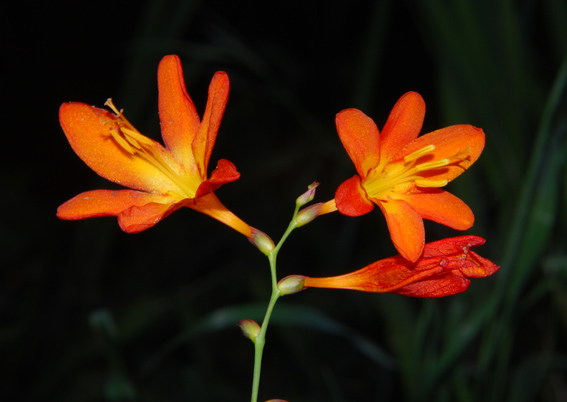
262,241
308,195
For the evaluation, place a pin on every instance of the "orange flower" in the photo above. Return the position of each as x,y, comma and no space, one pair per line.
402,173
162,179
442,270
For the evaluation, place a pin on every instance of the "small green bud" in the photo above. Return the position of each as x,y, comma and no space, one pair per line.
307,214
262,241
308,195
291,284
250,329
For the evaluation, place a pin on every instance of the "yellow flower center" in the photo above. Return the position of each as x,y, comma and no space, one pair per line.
133,142
382,184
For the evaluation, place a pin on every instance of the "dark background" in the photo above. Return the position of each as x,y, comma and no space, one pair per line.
89,313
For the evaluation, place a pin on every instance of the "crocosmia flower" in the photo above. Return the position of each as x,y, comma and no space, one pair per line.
161,178
442,270
402,173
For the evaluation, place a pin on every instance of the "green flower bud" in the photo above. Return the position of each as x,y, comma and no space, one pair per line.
250,329
291,284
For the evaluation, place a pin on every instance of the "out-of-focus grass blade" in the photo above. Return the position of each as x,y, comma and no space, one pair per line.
528,378
467,56
117,387
400,321
541,219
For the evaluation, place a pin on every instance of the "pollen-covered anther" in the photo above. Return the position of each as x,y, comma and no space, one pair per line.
110,104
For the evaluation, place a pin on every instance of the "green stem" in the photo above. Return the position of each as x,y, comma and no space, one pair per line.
260,340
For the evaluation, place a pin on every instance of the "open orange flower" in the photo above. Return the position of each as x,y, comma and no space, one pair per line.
442,270
402,173
162,179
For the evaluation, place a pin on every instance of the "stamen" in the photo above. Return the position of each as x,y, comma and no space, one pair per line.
430,183
133,142
137,145
419,153
459,154
112,107
378,183
432,165
137,136
121,141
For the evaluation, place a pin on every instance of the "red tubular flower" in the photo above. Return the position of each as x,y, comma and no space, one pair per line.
402,173
162,179
442,270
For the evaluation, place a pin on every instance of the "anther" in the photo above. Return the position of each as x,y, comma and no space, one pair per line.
112,107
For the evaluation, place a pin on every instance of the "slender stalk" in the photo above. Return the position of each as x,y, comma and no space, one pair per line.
260,340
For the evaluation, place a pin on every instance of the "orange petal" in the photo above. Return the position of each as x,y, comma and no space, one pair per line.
444,285
351,199
481,267
442,207
136,219
204,142
136,210
177,113
361,139
406,228
224,173
88,130
464,142
402,127
210,205
381,276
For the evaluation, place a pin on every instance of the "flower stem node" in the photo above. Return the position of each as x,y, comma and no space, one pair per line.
262,241
307,196
250,329
291,284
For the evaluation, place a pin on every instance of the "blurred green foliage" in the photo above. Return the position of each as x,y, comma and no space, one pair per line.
89,313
